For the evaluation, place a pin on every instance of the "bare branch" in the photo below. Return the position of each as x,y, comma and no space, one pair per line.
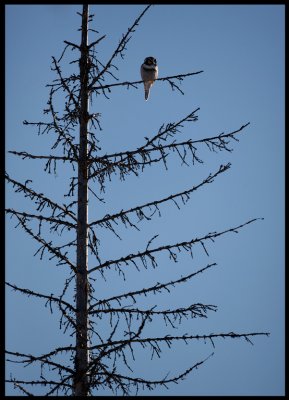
71,44
169,339
194,310
182,245
169,79
119,50
40,217
126,161
45,245
49,299
138,210
17,385
210,140
24,154
157,288
65,87
41,200
34,383
96,41
152,383
29,359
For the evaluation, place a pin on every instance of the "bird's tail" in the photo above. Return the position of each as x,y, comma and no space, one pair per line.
147,86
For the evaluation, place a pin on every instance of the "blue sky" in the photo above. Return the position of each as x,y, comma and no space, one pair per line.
240,48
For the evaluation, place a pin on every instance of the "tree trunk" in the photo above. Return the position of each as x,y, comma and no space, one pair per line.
81,357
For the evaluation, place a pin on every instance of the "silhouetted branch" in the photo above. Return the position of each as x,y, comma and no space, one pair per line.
168,79
214,142
71,44
65,86
120,380
64,136
96,41
192,311
57,222
61,385
184,196
45,245
127,161
24,154
29,359
40,199
119,50
43,382
180,246
120,345
154,343
50,299
157,288
19,386
169,339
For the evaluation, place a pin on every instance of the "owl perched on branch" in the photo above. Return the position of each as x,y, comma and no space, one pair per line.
149,72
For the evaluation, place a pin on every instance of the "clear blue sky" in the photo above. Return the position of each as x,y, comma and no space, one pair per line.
240,48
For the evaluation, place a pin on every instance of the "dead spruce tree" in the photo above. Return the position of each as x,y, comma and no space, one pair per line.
106,331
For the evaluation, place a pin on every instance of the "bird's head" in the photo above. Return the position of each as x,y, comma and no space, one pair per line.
150,61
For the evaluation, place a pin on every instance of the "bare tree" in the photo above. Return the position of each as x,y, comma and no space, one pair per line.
93,360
